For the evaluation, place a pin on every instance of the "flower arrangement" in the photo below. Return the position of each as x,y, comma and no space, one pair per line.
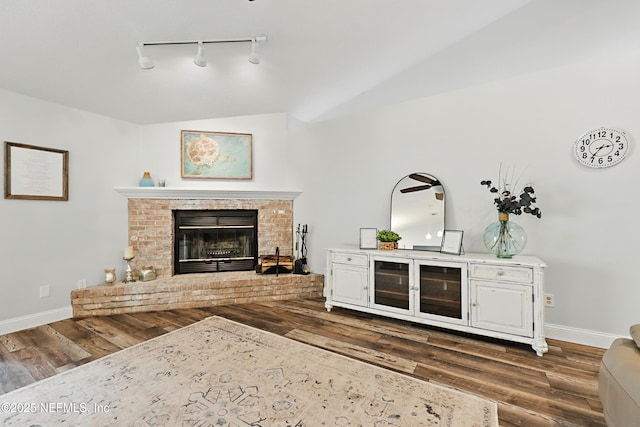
507,203
505,238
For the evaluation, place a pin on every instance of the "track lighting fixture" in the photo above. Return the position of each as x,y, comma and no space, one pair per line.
200,59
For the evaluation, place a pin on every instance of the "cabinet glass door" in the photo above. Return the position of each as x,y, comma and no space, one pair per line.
442,292
391,285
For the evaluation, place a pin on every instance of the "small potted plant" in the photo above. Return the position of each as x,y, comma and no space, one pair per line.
388,240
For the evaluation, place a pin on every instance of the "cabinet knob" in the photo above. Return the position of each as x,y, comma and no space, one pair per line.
348,258
500,273
475,304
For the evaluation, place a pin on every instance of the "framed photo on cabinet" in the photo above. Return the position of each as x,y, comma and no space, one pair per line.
368,238
452,242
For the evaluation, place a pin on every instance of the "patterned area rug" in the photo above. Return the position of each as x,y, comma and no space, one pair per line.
218,373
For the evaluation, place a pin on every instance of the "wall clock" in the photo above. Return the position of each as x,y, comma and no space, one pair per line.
601,147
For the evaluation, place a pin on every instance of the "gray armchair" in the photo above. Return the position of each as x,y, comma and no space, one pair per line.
619,381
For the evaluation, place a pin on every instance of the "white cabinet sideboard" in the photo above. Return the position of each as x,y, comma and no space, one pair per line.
474,293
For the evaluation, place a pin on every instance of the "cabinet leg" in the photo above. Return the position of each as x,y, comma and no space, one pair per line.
328,305
540,346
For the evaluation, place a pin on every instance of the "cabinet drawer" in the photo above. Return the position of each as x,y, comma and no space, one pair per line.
351,259
502,274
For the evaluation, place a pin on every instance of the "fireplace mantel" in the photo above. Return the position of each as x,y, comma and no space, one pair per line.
203,193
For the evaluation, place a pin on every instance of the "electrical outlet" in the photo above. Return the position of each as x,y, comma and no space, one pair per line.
549,300
82,283
45,291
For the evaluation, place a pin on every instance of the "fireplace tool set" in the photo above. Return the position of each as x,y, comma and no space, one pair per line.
276,264
301,266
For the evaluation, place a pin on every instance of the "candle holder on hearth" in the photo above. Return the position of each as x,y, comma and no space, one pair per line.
129,271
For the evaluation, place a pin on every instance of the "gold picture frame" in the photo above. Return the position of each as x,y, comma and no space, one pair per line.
216,155
35,173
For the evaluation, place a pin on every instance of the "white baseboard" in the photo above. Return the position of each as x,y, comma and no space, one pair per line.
33,320
579,336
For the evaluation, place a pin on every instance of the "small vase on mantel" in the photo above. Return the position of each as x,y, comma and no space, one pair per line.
504,238
146,180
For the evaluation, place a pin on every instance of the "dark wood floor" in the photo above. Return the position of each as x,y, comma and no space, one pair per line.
559,389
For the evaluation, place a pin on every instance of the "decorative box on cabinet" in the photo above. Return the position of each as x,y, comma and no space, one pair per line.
473,293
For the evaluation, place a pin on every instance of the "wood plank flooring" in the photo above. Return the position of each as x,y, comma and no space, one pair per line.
558,389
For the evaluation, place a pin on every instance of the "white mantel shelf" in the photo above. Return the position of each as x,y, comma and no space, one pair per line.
203,193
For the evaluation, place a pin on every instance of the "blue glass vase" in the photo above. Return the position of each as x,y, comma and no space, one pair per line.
146,180
504,238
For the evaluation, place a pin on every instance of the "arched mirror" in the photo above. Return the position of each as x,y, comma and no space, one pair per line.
417,212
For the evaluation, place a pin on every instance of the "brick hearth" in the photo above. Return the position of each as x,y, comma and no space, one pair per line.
193,290
150,233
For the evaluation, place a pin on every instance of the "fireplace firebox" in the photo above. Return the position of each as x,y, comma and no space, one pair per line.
215,240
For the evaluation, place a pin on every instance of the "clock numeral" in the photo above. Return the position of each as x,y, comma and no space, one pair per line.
621,146
584,156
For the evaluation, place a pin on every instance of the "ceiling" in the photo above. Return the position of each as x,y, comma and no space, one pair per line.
323,58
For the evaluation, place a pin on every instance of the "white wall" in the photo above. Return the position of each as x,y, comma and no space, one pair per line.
589,227
160,152
346,169
57,243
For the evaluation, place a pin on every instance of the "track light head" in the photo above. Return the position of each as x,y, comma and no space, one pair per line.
200,60
144,61
254,57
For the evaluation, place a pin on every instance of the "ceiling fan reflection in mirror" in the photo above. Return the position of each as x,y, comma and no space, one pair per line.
430,182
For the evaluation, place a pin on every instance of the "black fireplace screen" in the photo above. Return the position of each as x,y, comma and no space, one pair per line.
215,240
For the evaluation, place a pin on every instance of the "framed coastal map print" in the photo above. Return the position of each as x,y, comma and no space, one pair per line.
35,173
215,155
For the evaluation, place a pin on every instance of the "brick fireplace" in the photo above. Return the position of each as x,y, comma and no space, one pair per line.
151,226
